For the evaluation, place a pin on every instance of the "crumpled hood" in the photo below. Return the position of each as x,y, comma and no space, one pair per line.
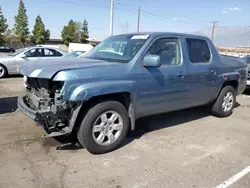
48,68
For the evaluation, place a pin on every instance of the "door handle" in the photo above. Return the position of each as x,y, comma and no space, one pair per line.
180,75
213,72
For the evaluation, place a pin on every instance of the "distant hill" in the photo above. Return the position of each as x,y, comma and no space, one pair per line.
229,36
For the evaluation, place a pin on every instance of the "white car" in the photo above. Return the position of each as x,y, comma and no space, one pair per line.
11,63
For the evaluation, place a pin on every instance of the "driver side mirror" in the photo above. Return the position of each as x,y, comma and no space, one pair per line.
151,61
23,56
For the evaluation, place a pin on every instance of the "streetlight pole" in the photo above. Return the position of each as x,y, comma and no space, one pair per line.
212,37
138,20
111,17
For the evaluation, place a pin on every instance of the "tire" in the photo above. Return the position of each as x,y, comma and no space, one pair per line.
86,135
3,71
217,107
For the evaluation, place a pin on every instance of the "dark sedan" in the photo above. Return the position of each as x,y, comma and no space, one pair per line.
7,49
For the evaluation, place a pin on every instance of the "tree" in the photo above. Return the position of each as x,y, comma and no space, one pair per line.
78,27
75,32
85,32
3,26
69,33
9,37
47,34
40,35
21,29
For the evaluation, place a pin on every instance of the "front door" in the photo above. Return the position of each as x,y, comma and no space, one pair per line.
34,54
29,55
163,89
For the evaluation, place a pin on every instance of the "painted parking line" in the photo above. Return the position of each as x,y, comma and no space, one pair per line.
248,96
234,178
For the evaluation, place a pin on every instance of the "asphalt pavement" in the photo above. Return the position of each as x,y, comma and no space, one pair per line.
189,148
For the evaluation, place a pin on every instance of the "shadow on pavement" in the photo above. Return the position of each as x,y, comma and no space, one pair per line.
12,76
15,76
161,121
8,104
145,125
246,92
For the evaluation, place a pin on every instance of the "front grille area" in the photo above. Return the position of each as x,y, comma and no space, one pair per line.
248,75
33,83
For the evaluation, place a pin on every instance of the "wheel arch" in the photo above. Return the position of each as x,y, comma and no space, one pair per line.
233,83
125,98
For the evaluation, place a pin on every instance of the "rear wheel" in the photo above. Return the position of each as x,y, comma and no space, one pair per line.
225,102
104,127
3,71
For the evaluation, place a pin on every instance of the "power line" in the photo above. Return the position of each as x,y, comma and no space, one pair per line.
125,27
165,18
172,17
126,4
85,3
118,5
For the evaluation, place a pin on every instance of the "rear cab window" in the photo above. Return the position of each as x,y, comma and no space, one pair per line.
198,50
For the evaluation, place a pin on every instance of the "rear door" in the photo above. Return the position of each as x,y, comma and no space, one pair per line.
202,71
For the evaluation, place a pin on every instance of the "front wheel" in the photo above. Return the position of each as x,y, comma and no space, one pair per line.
104,127
224,104
3,71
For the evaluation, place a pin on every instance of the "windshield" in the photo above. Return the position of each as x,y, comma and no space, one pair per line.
247,59
18,52
118,48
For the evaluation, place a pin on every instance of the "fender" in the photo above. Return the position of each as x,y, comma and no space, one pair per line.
226,77
86,91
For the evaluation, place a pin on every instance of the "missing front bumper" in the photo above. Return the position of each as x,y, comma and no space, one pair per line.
32,114
42,118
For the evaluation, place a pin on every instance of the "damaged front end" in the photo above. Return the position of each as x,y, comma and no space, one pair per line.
44,103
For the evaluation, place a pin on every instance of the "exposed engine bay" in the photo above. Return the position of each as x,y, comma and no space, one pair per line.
44,96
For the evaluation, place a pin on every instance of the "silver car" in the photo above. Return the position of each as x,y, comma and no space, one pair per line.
11,63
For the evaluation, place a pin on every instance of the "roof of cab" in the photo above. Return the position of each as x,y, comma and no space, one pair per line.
156,34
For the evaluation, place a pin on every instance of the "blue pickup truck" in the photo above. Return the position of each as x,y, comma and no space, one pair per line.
99,97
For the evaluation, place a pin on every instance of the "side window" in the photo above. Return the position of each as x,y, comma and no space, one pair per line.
37,52
51,53
198,50
168,49
48,53
56,52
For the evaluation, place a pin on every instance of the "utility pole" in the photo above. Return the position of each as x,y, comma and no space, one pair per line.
213,29
111,17
138,21
125,27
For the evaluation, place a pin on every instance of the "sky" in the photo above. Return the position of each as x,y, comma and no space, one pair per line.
159,15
